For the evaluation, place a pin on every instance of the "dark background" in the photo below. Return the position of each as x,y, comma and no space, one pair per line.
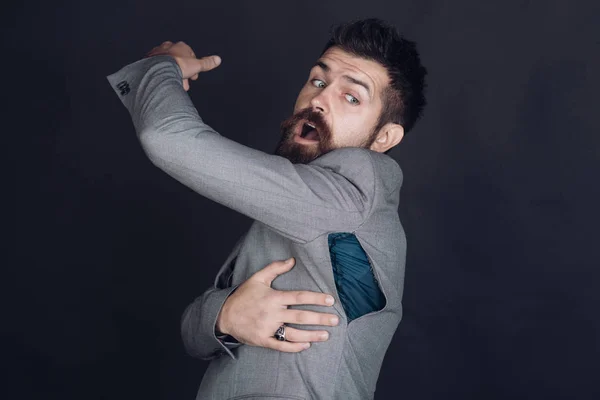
499,200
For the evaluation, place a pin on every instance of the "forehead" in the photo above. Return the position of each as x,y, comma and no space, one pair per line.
342,62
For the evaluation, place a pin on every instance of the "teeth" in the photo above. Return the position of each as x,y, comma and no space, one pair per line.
311,125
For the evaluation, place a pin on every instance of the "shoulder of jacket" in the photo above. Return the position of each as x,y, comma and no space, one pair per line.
360,161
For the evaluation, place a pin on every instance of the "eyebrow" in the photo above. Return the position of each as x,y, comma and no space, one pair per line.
350,79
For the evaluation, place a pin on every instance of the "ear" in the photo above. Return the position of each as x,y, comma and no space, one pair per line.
388,136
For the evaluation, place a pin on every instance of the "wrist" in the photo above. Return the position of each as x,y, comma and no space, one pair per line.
221,326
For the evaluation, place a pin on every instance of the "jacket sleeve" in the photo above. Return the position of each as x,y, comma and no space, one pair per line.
300,201
199,319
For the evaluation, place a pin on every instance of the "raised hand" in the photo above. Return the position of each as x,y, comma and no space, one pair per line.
186,59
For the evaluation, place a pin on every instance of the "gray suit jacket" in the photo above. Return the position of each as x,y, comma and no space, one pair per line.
295,207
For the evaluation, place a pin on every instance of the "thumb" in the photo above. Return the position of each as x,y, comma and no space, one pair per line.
207,63
268,274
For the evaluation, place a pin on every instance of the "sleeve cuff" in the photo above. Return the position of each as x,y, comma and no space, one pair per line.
199,326
228,343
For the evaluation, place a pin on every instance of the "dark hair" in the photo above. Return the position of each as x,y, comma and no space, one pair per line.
373,39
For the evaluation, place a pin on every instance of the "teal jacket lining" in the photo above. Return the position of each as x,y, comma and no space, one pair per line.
355,280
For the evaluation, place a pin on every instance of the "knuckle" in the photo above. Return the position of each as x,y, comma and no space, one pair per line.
299,335
291,335
301,297
276,296
301,317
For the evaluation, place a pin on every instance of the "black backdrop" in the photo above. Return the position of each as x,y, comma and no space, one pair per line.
499,201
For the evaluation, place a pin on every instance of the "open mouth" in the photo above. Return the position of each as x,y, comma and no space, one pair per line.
308,131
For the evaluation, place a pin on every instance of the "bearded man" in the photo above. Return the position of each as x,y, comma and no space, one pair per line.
326,200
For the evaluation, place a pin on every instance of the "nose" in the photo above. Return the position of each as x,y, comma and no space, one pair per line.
319,102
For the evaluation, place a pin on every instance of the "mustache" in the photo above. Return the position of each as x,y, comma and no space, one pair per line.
308,115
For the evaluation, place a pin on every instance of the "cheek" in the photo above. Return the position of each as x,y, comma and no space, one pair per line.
350,130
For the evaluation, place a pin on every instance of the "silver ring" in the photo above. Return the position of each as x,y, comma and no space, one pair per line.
280,334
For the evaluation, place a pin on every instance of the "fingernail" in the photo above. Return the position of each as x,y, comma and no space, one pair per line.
329,300
306,345
217,60
289,260
334,320
324,336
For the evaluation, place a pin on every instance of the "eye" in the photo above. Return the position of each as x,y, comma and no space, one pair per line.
352,100
318,83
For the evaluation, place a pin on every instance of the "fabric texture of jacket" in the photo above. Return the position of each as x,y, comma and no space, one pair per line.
295,208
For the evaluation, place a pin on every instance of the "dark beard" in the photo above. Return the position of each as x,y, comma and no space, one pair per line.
299,153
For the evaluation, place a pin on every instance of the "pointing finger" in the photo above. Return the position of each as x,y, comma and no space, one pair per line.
208,63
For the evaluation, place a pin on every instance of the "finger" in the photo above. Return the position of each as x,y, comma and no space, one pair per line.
294,297
303,336
166,43
287,347
151,52
186,84
207,63
304,317
273,270
195,77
